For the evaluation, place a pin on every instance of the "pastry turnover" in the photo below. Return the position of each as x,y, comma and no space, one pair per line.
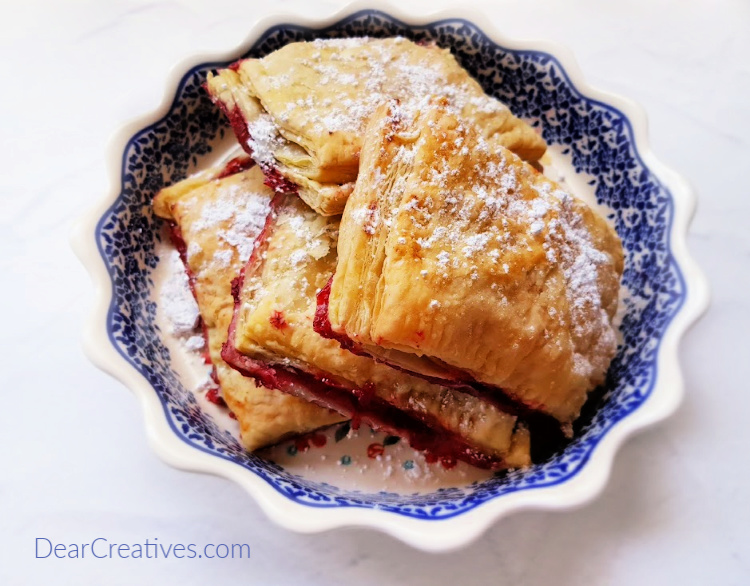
215,218
301,111
458,261
272,339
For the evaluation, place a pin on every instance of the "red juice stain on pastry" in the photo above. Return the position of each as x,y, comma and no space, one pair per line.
236,285
375,450
277,320
302,443
322,325
232,415
239,126
213,396
234,166
236,65
448,462
276,181
365,394
318,440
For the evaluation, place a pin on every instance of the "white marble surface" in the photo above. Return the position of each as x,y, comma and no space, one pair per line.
75,460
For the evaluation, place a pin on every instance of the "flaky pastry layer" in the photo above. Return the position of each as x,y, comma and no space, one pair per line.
460,262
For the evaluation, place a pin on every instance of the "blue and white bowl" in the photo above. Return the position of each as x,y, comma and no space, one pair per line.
601,137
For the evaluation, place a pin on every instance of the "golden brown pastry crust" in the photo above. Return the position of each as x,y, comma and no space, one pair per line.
274,324
307,104
457,256
219,220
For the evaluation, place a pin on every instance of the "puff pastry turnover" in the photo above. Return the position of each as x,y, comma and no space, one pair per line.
458,261
272,338
215,218
301,110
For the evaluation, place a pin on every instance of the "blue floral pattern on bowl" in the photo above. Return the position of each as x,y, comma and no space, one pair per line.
597,137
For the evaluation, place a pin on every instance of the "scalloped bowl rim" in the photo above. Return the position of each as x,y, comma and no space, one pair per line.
457,531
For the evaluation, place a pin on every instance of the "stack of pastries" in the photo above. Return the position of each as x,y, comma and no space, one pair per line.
389,253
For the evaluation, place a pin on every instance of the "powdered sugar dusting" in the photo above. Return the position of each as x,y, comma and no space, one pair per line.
358,75
187,349
237,215
580,261
177,300
195,343
264,139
